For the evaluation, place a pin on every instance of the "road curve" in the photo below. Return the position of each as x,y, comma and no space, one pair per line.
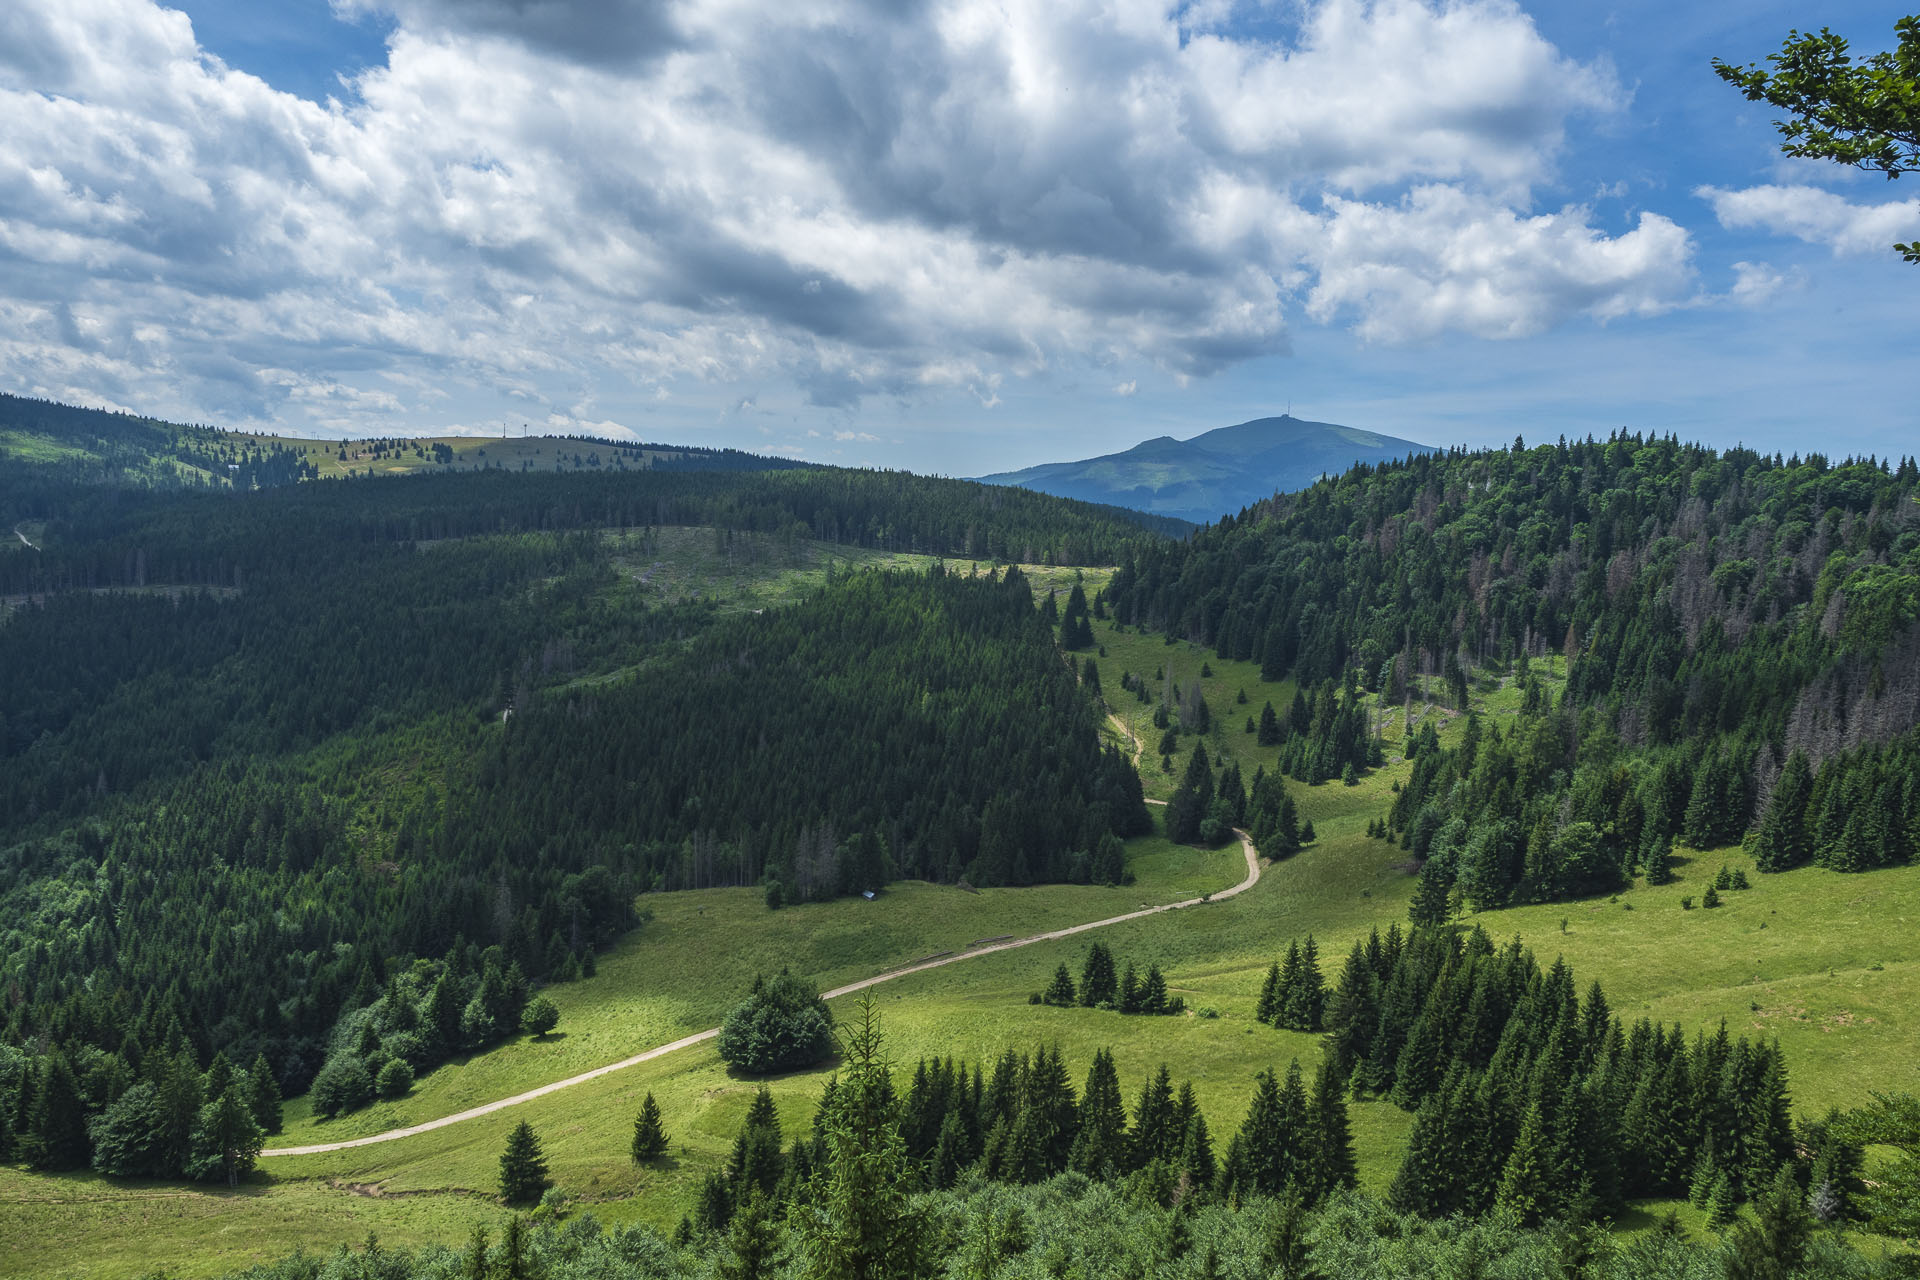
687,1042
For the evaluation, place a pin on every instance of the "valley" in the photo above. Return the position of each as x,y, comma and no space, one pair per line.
699,716
1801,957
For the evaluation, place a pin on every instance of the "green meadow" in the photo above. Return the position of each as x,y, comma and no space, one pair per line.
1828,964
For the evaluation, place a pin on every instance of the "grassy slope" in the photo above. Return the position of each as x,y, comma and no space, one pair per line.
757,571
1807,976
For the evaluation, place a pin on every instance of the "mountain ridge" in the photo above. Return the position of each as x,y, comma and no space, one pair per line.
1215,473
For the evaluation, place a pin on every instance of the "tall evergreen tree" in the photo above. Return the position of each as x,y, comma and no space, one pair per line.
1153,991
1153,1137
861,1224
1198,1170
1268,1008
1100,1147
523,1168
1353,1012
754,1240
263,1095
1526,1180
1334,1166
649,1136
1098,983
57,1124
1432,896
1781,842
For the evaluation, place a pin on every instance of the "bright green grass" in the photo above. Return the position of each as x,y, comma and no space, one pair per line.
1843,1030
758,571
26,446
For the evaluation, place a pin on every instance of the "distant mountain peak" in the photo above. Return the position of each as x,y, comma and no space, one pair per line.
1217,472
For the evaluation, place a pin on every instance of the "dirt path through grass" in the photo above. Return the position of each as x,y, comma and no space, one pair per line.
1114,719
687,1042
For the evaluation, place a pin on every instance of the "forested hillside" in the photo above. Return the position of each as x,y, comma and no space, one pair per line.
408,746
1742,634
94,446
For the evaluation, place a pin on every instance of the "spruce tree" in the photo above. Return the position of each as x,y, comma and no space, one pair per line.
757,1159
1334,1165
1423,1059
1722,1204
1525,1181
1153,992
1269,1006
950,1153
1774,1245
1297,1115
1152,1137
753,1242
219,1077
1303,992
263,1095
862,1225
1432,896
1099,1149
1053,1118
1060,991
523,1169
1269,732
1291,974
226,1141
1423,1184
1353,1012
1659,860
57,1126
1098,982
1198,1169
1233,1184
713,1206
1780,842
649,1136
1265,1140
1129,990
1185,812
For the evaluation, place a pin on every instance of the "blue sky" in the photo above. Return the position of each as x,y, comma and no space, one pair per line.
956,236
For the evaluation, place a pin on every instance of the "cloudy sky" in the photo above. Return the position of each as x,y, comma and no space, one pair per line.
952,235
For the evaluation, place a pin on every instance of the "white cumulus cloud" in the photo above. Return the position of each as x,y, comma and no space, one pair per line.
833,201
1817,216
1445,260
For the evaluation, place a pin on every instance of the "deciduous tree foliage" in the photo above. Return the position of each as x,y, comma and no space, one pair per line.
1865,114
782,1025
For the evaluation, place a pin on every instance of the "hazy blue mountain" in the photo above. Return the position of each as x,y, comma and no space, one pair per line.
1217,472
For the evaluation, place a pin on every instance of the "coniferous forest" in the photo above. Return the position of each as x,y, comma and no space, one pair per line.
328,777
317,783
1739,634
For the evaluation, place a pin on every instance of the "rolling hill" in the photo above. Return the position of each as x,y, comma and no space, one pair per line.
1217,472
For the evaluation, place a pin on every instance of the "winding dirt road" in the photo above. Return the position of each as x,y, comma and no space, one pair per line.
687,1042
